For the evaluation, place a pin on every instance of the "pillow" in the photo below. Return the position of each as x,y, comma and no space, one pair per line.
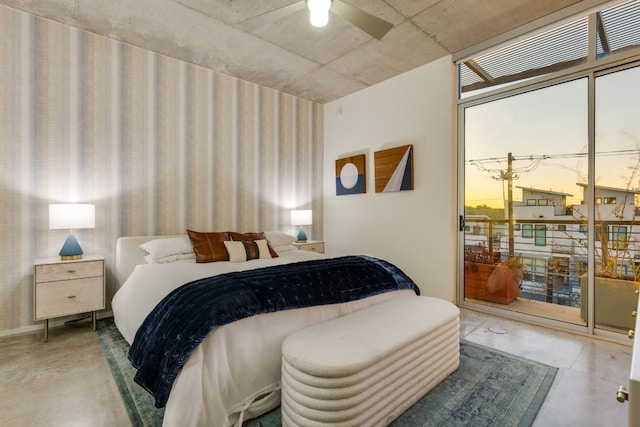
170,258
167,247
284,248
278,238
253,236
209,247
245,250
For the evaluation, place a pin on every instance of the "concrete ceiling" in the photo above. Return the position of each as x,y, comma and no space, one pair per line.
289,55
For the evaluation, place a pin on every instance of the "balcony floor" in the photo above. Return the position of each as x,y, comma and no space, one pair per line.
547,310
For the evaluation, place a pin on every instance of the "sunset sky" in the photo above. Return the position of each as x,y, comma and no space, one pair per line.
547,133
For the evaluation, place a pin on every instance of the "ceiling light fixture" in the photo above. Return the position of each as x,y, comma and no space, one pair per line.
319,12
319,16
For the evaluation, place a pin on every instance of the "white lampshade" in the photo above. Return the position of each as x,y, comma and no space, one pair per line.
301,217
319,12
72,216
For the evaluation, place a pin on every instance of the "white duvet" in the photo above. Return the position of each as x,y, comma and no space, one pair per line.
234,375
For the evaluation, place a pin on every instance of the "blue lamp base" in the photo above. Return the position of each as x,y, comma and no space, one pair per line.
71,249
302,236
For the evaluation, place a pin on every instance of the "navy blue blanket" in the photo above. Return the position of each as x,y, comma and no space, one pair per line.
187,315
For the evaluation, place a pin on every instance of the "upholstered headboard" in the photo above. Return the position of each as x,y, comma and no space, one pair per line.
129,254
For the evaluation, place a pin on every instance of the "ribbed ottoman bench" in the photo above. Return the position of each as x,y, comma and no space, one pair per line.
366,368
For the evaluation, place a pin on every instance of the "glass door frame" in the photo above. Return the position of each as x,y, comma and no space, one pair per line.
591,71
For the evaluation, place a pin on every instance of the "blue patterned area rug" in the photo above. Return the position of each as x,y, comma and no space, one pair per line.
490,388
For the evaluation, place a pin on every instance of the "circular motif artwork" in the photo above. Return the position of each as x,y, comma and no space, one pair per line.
349,176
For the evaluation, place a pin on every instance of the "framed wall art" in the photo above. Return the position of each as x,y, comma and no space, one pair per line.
394,169
351,175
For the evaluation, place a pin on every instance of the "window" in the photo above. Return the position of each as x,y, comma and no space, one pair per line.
619,26
535,269
541,235
618,234
516,227
556,49
526,110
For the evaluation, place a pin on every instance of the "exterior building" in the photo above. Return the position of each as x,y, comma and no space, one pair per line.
551,237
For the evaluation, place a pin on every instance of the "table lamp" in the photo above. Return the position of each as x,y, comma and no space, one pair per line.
71,216
301,217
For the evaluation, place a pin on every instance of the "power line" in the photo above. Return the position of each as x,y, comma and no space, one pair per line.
541,157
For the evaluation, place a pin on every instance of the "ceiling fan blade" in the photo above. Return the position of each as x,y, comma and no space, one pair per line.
269,17
374,26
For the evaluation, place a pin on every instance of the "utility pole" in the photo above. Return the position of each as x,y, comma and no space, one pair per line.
508,175
510,203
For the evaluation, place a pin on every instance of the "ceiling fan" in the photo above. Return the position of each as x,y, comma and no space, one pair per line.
319,16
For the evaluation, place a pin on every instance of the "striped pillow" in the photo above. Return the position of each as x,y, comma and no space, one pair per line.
253,236
245,250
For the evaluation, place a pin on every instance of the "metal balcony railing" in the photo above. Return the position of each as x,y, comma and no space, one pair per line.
554,253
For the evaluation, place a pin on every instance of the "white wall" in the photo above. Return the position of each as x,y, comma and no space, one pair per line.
413,229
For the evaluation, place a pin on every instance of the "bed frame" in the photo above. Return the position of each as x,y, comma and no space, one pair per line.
129,254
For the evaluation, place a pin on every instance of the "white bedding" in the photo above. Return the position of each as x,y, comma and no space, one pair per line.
149,283
234,374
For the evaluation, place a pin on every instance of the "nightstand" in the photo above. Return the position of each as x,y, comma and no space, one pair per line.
310,245
63,288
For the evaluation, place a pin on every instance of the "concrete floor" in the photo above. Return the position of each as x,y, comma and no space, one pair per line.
66,382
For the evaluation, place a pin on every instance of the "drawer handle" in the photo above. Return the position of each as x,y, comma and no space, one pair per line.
71,296
71,271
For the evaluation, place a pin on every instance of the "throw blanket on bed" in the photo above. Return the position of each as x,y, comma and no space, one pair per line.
178,324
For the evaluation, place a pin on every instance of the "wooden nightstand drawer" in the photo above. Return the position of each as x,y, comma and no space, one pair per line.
68,271
54,299
62,288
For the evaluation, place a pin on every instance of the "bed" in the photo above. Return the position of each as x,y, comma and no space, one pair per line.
234,373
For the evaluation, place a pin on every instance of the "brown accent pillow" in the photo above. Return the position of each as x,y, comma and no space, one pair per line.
209,247
253,236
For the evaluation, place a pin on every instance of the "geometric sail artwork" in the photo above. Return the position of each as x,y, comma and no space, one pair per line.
350,175
394,169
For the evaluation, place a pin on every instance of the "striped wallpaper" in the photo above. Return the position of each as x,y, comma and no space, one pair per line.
157,144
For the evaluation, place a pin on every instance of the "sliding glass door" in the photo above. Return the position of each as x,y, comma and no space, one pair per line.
549,202
551,209
617,187
525,171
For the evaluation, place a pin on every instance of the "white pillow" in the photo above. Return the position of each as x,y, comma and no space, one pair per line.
240,250
284,248
278,238
170,258
167,247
